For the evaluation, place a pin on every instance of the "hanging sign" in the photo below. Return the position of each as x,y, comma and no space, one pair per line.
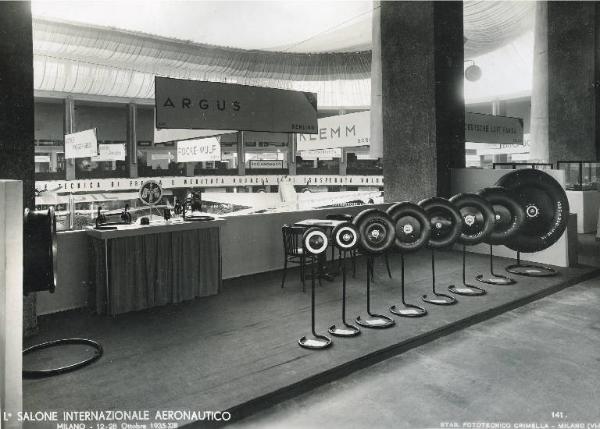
483,128
41,158
199,150
320,153
110,152
266,163
81,145
352,129
163,136
192,104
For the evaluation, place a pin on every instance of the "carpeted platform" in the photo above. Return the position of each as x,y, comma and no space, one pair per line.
238,351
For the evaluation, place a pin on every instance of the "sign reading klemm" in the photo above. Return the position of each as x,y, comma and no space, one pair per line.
352,129
192,104
482,128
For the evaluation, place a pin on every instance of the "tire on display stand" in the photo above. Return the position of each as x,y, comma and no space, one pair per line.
446,228
478,221
546,208
413,231
376,236
39,274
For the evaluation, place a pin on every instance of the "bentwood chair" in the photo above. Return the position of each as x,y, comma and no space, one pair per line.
293,251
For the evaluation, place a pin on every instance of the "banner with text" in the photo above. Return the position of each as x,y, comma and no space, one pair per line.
110,152
483,128
192,104
352,129
266,163
81,145
198,150
320,154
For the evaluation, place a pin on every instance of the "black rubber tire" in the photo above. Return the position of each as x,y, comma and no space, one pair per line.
340,236
437,205
40,251
364,221
406,214
63,369
463,203
509,214
309,243
546,209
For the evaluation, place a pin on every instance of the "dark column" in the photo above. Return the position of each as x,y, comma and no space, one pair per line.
292,154
564,121
241,152
132,139
69,128
423,110
16,97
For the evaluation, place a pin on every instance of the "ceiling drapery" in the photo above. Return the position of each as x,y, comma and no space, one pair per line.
86,59
82,59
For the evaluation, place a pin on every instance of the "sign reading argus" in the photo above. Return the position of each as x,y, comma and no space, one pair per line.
191,104
81,145
197,150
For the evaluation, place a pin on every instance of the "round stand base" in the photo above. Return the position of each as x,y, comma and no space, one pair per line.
345,330
98,351
440,299
530,270
498,280
408,310
376,321
467,290
315,343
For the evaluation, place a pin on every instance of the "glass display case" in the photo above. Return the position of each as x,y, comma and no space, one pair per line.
518,165
78,211
580,175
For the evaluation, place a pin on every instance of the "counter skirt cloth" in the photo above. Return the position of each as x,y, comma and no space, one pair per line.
155,269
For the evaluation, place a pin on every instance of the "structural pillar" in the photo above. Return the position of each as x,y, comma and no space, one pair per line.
292,144
564,123
418,58
241,154
16,97
132,140
69,128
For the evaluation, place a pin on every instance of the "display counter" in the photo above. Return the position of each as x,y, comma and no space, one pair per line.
136,266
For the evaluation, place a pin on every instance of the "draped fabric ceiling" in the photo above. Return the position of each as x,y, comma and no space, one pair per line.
72,58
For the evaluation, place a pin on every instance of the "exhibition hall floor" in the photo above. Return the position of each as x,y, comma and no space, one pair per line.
238,351
515,368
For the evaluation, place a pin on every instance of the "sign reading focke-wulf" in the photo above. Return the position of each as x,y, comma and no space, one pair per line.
192,104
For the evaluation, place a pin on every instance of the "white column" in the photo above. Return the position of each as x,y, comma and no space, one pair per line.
11,299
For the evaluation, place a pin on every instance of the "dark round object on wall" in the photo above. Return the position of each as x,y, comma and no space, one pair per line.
477,215
509,214
39,253
376,231
411,225
345,236
546,209
315,241
445,221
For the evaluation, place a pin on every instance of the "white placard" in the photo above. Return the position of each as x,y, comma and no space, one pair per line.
266,163
166,135
483,128
110,152
41,158
208,149
320,153
164,156
81,145
348,130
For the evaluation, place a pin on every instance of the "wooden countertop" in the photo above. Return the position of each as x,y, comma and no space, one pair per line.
156,227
